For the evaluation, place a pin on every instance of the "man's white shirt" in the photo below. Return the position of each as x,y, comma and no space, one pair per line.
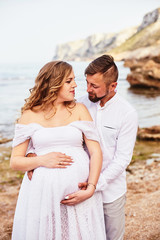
117,124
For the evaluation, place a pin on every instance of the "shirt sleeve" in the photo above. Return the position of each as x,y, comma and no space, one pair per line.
123,152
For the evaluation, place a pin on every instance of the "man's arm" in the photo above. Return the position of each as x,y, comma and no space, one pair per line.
123,153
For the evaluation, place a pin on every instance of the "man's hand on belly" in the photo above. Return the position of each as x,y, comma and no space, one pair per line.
83,186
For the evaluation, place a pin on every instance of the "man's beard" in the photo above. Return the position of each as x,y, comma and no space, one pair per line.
95,99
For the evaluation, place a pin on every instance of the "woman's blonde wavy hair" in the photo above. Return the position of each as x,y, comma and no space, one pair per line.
50,79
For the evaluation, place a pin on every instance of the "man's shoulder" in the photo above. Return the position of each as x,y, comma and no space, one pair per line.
125,104
124,111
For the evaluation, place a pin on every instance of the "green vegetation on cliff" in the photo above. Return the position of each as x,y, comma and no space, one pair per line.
149,36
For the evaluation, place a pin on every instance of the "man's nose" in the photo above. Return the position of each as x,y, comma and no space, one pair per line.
89,89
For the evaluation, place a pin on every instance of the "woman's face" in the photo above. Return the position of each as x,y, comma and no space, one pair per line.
67,91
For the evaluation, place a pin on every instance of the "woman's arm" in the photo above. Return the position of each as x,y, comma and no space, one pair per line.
94,172
95,161
94,150
19,161
95,169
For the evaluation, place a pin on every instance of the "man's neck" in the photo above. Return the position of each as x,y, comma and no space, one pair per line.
106,99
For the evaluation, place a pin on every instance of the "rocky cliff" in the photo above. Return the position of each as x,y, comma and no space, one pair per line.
143,53
144,43
92,46
136,42
148,19
139,47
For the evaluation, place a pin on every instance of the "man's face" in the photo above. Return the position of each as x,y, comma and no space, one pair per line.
96,87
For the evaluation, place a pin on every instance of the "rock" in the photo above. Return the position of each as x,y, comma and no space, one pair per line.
149,161
151,133
157,155
149,18
138,53
144,72
5,140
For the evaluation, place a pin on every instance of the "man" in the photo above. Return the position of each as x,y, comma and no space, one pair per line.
117,124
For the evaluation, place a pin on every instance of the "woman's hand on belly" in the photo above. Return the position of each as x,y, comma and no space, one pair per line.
78,196
55,160
51,160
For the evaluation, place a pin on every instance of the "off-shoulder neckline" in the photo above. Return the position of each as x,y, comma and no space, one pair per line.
77,121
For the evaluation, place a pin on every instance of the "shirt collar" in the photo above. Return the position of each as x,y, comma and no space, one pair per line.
113,99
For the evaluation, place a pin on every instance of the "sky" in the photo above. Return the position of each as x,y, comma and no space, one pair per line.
30,30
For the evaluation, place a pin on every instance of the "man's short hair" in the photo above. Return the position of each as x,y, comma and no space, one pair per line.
104,65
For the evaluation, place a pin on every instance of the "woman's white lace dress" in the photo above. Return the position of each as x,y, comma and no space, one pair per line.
39,214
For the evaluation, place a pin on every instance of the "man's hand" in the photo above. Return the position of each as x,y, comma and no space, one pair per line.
83,186
30,173
31,155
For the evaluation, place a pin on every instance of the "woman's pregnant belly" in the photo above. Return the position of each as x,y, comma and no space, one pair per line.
65,181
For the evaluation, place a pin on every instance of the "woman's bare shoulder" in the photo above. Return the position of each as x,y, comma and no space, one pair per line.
80,106
27,117
83,112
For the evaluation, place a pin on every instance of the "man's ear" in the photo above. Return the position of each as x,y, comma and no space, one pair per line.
112,86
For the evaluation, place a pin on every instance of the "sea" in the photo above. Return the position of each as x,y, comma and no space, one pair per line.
16,80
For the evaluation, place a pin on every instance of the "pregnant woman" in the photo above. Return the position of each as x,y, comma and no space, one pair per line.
51,121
